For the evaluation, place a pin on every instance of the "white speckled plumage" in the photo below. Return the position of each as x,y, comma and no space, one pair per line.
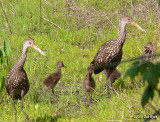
17,83
111,51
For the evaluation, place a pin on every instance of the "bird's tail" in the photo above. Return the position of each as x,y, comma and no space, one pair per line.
98,69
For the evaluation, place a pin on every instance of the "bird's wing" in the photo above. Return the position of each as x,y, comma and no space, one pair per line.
103,56
17,81
52,79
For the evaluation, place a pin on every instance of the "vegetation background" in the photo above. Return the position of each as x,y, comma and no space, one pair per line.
73,31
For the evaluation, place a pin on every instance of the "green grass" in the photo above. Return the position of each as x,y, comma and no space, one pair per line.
76,44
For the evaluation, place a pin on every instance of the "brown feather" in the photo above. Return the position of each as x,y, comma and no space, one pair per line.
149,49
51,81
17,81
114,76
107,54
88,81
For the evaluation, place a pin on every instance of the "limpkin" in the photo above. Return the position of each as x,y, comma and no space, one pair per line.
111,51
17,83
149,49
114,76
88,82
51,81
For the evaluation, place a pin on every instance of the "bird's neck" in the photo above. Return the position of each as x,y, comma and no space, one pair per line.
59,70
122,33
21,61
88,75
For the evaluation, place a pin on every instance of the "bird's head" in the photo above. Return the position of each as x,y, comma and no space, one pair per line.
60,64
128,20
148,45
149,48
30,43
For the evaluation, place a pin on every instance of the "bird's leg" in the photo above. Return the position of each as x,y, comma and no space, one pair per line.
90,98
53,91
15,111
108,88
42,93
108,72
26,116
85,98
51,100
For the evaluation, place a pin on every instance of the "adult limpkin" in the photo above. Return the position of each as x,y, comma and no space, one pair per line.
111,51
17,83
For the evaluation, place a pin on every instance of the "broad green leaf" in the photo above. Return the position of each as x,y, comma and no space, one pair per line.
1,53
151,75
146,63
7,49
142,69
132,71
144,66
4,60
158,65
136,62
148,93
2,83
143,63
159,92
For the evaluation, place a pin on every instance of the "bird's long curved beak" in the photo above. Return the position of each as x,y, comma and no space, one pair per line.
139,27
39,50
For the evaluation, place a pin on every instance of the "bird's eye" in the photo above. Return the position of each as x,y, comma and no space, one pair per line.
29,42
128,19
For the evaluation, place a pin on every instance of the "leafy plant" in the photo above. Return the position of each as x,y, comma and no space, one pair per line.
4,53
150,73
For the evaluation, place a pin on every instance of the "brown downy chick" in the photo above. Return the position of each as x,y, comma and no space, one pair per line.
149,49
114,76
88,82
51,81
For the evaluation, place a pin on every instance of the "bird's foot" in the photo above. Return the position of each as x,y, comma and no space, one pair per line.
108,95
111,88
26,117
90,102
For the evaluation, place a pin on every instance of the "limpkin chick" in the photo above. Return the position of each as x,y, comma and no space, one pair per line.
88,82
114,76
109,55
17,83
51,81
149,49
